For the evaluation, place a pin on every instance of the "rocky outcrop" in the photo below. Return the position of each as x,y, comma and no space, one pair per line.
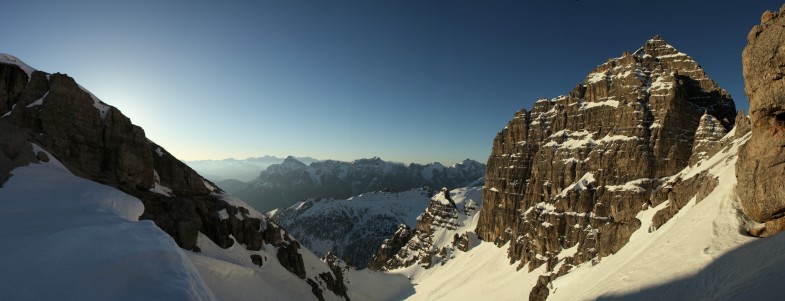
96,141
708,138
441,230
353,228
282,185
760,171
540,291
575,170
678,193
384,258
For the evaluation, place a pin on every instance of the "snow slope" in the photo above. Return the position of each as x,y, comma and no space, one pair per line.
691,240
700,254
67,238
232,276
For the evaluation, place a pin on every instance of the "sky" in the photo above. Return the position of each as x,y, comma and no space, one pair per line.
407,81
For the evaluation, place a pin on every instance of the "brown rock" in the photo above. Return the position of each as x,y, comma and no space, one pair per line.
767,16
759,169
742,125
540,291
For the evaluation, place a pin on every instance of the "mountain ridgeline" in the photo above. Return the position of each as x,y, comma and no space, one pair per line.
239,170
282,185
97,142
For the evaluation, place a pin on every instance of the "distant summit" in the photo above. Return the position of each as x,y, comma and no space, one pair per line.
243,170
281,185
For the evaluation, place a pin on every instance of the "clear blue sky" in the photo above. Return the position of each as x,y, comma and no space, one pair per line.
409,81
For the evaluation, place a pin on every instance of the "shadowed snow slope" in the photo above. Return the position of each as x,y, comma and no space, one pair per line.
87,239
67,238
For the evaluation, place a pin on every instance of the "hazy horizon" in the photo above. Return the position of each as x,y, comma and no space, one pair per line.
298,157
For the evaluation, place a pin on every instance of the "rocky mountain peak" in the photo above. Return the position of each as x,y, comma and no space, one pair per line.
576,169
291,161
659,48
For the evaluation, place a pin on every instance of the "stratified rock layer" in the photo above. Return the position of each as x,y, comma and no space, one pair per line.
576,169
760,170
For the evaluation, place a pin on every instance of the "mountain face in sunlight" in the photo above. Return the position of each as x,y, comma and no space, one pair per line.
575,170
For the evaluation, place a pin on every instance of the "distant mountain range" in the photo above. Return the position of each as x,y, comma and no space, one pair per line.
243,170
282,185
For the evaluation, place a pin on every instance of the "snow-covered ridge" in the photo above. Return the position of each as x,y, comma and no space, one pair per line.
10,59
66,238
102,107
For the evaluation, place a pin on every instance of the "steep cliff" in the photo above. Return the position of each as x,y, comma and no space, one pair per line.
576,169
97,142
760,171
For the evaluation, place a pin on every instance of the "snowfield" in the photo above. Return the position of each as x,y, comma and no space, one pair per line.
67,238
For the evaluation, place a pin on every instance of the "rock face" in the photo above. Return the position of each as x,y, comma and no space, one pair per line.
281,185
760,171
96,141
576,169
